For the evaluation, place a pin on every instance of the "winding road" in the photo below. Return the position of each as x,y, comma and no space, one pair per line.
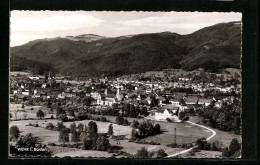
187,150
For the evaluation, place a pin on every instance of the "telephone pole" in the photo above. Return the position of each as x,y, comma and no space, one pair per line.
175,136
118,137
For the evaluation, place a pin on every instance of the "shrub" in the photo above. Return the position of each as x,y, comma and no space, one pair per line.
142,153
27,141
201,143
49,126
52,144
75,136
134,134
126,122
35,125
225,153
157,129
181,115
110,129
216,146
120,120
40,114
103,119
60,126
135,124
234,147
169,120
63,117
14,132
161,153
151,154
63,136
66,130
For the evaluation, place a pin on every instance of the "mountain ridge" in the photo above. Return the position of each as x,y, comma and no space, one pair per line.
93,55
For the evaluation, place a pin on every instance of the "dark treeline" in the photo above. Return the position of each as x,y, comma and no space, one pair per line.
226,118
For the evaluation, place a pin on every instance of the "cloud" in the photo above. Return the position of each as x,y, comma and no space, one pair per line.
54,23
30,25
182,22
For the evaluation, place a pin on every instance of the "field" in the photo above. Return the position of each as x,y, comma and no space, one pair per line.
49,136
186,133
222,136
203,154
31,114
20,73
74,152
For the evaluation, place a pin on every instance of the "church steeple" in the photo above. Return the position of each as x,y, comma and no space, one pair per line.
49,75
152,84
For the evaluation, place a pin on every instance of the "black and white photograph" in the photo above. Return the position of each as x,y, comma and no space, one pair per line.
125,84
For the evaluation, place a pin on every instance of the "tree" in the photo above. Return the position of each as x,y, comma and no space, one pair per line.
60,126
72,112
87,143
63,117
14,132
92,127
49,126
80,127
142,153
157,129
10,115
75,136
146,128
201,143
126,122
234,146
63,136
102,144
60,111
225,153
110,130
103,119
181,115
161,153
134,134
27,141
40,114
73,127
135,124
120,120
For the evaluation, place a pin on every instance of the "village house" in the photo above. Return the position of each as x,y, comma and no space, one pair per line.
110,99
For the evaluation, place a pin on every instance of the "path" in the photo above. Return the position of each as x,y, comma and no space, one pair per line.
202,126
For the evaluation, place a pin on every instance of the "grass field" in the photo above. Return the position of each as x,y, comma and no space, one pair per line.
203,154
48,136
21,73
31,114
186,133
221,136
74,152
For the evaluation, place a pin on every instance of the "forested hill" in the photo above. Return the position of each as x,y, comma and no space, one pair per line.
211,48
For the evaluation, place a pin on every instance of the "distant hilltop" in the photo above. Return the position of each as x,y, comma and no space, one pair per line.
211,48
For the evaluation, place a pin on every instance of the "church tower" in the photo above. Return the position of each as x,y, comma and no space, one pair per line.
118,94
49,75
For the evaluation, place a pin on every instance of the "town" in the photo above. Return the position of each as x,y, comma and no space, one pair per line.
168,113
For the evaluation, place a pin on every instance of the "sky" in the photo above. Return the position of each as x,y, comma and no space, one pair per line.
26,26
